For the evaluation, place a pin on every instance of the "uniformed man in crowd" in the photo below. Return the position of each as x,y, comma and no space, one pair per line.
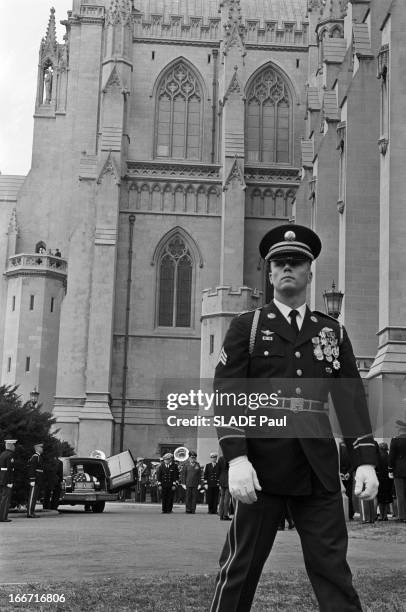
397,468
6,479
222,476
300,357
142,480
35,478
53,483
211,484
191,479
167,479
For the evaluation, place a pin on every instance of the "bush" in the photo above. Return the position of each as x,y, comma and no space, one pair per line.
29,425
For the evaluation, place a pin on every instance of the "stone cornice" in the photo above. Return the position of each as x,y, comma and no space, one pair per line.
155,170
215,44
260,174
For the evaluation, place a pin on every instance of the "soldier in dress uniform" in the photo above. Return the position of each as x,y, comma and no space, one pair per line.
191,478
300,356
35,478
211,484
397,468
142,480
6,479
167,480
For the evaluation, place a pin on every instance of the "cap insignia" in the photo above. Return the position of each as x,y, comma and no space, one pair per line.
290,236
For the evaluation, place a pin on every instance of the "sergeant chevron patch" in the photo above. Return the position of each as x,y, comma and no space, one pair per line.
223,356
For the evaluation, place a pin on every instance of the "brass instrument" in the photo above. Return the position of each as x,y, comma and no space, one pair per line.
181,454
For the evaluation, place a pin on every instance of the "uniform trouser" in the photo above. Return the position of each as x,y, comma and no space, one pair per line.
141,492
191,499
320,522
32,499
224,504
167,499
348,486
368,511
212,496
5,499
400,487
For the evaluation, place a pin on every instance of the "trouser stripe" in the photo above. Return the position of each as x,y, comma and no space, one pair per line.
223,576
31,500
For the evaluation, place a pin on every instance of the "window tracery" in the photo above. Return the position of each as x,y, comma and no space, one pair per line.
179,114
268,119
175,274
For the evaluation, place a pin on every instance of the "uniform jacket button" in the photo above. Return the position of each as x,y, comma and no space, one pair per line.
299,372
266,353
298,391
298,354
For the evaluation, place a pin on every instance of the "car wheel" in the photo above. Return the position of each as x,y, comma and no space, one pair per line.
98,506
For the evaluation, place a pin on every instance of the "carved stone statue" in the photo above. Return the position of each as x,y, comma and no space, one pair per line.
48,76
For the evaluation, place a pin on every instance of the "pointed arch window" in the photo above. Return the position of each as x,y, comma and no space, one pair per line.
175,276
269,119
178,121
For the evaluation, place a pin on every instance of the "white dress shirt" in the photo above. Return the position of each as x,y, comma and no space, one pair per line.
285,310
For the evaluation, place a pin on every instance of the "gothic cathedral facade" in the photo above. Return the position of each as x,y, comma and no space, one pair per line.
169,136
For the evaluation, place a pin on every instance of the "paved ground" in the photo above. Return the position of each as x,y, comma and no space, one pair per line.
132,539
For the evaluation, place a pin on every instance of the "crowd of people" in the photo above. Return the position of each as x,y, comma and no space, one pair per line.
185,482
168,482
391,473
44,480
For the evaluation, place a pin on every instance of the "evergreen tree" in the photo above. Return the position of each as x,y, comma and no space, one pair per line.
28,425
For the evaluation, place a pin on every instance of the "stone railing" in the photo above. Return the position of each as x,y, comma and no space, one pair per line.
33,263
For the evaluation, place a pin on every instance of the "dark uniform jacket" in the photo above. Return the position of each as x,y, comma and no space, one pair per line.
222,472
317,362
143,474
397,456
191,475
210,475
167,475
6,468
36,469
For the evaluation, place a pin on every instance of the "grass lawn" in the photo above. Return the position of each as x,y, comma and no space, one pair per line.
381,590
287,592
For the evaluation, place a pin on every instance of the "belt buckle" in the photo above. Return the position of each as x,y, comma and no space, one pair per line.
297,404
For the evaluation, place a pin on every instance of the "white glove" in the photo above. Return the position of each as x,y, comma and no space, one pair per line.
390,474
366,482
183,486
243,480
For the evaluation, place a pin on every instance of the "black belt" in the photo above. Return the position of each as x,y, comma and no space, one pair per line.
298,404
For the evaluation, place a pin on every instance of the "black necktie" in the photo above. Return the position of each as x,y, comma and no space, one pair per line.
292,315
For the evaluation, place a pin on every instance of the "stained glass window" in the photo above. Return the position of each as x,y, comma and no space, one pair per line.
268,119
179,114
175,284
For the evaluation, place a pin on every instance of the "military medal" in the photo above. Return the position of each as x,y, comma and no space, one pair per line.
271,315
325,346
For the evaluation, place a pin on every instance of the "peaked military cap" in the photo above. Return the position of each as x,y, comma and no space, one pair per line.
10,441
290,240
167,456
192,454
